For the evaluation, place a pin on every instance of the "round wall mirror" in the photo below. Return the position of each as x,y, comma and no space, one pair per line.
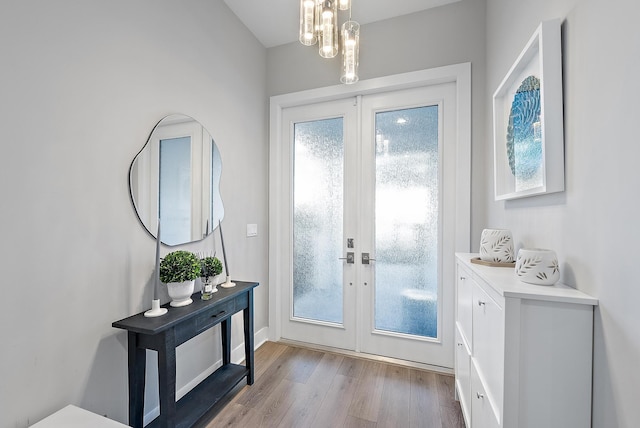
176,178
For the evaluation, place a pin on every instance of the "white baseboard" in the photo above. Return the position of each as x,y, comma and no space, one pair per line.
237,356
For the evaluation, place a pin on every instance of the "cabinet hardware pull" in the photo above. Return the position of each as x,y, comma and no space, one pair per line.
218,314
481,303
479,395
459,344
462,278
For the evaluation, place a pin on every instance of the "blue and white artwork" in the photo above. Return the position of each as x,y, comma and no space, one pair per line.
524,136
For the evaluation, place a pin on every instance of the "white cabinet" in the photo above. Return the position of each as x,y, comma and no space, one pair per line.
463,374
523,351
483,413
488,346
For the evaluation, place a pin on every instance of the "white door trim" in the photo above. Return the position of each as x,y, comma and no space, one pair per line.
458,73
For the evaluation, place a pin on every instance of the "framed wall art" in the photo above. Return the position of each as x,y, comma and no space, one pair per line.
528,130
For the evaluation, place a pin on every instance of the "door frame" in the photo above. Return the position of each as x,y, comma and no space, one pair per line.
460,74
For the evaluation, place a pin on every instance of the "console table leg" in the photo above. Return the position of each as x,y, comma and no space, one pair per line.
167,380
137,361
225,330
247,315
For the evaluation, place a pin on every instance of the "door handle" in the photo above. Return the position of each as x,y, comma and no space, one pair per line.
351,257
366,259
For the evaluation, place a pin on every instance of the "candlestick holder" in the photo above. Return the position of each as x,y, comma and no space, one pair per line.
228,283
155,310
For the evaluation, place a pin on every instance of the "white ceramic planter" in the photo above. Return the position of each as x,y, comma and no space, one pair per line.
496,245
180,292
537,266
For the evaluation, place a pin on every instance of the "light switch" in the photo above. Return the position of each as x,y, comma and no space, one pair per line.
252,230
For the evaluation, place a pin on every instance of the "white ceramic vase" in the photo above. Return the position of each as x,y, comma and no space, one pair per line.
496,245
180,292
537,266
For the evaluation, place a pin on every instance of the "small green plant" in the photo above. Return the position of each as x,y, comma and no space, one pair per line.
210,266
179,266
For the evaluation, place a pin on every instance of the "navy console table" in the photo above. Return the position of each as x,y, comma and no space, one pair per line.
163,334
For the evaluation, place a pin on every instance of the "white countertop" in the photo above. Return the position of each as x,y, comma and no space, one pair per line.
505,282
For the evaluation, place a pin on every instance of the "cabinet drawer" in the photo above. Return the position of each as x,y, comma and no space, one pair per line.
212,317
483,414
488,344
463,375
464,304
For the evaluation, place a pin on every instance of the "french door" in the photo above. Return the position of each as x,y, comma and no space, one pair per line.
368,227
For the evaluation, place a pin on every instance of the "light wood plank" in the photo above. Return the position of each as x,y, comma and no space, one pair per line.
353,422
368,394
446,391
396,398
334,411
273,409
266,355
425,408
450,413
303,412
352,367
304,364
264,385
299,387
451,418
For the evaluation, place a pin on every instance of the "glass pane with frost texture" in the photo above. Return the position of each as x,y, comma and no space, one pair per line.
317,220
175,190
406,221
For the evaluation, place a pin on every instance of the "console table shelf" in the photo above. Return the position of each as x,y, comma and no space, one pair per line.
164,334
202,398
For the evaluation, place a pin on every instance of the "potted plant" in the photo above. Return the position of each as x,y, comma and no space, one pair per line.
178,270
209,268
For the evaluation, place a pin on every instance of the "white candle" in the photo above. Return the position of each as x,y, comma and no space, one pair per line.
224,253
156,279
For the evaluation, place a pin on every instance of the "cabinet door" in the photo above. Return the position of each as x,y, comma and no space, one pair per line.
464,285
488,345
482,413
463,375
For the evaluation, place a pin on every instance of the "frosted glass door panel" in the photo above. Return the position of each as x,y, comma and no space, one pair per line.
318,209
175,190
406,221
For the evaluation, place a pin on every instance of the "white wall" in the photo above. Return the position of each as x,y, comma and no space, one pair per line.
82,84
593,224
441,36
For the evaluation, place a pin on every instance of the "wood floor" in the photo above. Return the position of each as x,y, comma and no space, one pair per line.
299,387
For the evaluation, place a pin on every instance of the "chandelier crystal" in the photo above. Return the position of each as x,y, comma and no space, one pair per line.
308,33
350,46
319,24
329,29
344,4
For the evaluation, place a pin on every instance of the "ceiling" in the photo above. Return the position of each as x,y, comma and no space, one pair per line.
275,22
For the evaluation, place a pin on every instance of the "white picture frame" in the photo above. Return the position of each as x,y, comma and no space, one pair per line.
529,148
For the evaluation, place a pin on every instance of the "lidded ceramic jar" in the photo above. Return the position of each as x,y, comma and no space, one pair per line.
537,266
496,245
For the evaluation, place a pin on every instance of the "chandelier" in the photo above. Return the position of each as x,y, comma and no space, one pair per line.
319,24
